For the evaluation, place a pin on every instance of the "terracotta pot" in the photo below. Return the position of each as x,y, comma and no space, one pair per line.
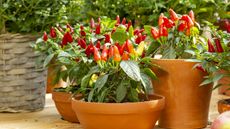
139,115
223,105
50,78
63,104
225,81
187,103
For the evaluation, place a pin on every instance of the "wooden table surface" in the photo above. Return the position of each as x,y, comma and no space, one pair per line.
50,119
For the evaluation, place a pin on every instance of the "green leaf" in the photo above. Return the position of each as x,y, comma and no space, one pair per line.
120,35
121,91
133,95
85,80
169,53
146,82
101,81
217,77
148,29
64,54
153,47
206,81
93,70
132,69
101,97
48,59
90,97
131,31
150,73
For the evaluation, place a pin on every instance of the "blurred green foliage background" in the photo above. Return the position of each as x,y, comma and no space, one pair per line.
26,16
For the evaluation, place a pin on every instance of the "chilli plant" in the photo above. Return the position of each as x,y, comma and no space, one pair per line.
215,57
176,37
119,72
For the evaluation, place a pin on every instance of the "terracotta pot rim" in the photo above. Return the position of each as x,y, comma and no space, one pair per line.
178,60
222,101
120,108
63,100
159,97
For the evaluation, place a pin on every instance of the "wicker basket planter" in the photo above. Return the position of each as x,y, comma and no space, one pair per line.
22,83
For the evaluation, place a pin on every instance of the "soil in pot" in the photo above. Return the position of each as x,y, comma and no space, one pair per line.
139,115
186,102
62,101
223,105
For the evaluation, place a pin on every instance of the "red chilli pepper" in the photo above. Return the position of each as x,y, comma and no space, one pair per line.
123,21
118,20
219,47
96,54
67,39
45,37
129,24
98,45
111,52
117,56
89,50
188,20
130,47
52,33
82,43
122,48
98,29
163,31
168,23
92,23
136,31
210,46
182,27
199,66
138,39
173,15
155,33
107,38
125,56
104,54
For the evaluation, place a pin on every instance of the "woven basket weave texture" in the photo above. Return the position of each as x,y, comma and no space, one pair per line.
22,83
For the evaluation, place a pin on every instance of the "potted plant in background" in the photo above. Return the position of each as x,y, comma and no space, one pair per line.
22,81
177,39
114,93
64,57
216,61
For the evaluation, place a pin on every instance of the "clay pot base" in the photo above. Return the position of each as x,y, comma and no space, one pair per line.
63,104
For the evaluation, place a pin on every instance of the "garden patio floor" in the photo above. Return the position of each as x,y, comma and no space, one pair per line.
50,119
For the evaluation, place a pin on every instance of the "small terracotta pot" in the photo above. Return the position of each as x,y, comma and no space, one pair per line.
186,103
63,104
225,81
50,78
138,115
223,105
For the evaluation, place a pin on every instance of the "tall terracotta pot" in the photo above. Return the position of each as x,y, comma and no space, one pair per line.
63,104
50,77
187,103
137,115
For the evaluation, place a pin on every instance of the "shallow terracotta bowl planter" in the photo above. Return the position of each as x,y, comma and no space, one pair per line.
138,115
223,105
63,104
